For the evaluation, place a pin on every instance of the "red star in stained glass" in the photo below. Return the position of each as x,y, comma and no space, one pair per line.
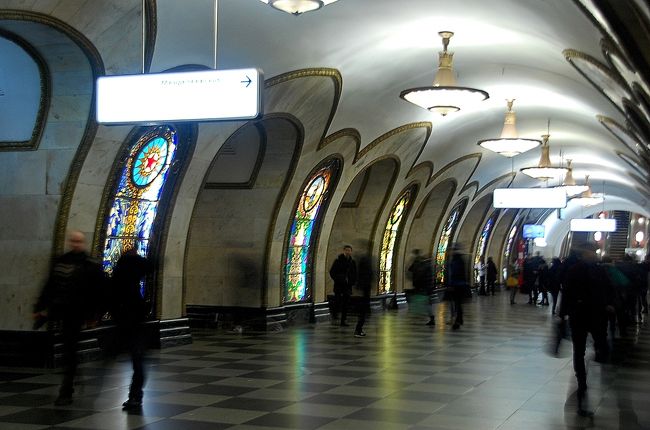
151,161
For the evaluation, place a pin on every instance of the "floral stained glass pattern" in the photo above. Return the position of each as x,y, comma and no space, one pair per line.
446,235
479,254
305,222
140,186
386,257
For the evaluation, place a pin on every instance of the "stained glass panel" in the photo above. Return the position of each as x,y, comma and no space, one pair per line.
136,199
305,221
445,236
388,241
479,254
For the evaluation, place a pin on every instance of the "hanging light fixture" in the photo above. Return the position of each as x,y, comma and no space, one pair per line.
569,184
297,7
444,96
509,144
587,198
544,170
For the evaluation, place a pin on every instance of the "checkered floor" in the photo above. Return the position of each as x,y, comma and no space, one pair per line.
493,373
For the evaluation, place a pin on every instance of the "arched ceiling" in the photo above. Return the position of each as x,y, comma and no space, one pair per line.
510,48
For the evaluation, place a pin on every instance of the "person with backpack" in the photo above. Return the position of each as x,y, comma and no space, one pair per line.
71,296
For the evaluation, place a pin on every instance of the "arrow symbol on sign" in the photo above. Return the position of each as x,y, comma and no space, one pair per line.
247,82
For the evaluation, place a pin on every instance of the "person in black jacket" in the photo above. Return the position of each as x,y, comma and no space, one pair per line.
587,298
129,312
491,275
71,296
344,274
458,282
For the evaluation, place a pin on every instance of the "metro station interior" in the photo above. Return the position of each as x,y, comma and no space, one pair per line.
243,218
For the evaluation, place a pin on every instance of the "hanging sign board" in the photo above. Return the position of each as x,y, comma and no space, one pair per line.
593,224
184,96
524,198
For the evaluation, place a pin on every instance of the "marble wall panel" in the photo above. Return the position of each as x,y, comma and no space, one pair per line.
62,134
58,163
23,173
71,108
27,218
72,82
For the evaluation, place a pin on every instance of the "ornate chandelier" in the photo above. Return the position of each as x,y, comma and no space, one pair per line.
444,96
569,184
544,170
297,7
587,198
509,144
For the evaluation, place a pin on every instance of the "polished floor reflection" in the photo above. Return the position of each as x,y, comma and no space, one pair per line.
493,373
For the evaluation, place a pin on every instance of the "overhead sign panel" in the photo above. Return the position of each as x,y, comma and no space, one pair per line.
523,198
593,224
188,96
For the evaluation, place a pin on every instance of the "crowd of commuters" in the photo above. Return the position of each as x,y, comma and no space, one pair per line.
588,296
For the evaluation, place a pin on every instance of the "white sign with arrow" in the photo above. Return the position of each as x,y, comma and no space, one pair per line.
181,96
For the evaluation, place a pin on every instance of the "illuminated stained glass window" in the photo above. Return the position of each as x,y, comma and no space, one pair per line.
479,254
447,233
139,189
508,250
305,223
391,234
511,238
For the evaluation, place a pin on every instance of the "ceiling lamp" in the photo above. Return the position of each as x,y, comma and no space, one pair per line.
544,170
569,184
297,7
509,144
587,198
444,96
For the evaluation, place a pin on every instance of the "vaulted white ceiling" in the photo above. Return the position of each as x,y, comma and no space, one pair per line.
510,48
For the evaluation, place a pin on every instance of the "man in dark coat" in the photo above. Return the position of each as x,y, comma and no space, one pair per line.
71,296
458,282
491,275
129,312
587,298
344,274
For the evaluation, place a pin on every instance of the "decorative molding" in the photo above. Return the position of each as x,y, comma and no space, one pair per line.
333,74
633,164
601,77
621,133
342,134
425,200
459,160
406,127
494,181
45,79
422,165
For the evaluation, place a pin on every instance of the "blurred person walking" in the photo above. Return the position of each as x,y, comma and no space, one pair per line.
71,296
344,274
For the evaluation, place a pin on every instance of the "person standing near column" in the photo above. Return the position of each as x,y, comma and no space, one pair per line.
344,274
490,275
129,312
458,282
